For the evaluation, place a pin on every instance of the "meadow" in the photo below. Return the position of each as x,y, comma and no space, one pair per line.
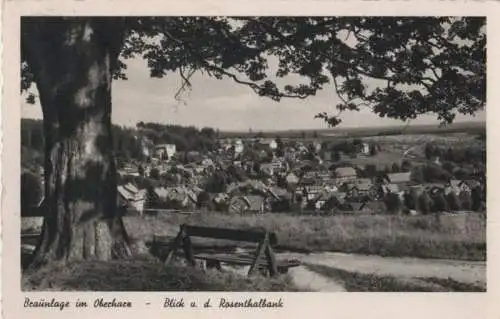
453,236
457,236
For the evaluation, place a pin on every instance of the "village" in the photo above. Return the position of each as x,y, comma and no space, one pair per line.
259,175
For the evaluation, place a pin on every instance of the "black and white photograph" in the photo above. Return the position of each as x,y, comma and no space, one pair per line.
253,153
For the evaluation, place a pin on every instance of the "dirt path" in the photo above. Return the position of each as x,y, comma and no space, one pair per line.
312,281
469,272
303,278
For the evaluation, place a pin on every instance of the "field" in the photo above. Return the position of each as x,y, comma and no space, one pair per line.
460,236
464,127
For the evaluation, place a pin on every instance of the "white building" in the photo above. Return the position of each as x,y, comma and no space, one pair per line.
366,149
238,147
168,150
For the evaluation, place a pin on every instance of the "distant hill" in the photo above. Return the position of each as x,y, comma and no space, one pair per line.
467,127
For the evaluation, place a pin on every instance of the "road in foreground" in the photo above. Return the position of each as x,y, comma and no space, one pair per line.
404,269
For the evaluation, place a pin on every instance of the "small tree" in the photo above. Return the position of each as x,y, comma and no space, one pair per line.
370,170
425,203
417,174
154,173
395,168
336,156
476,199
280,149
453,201
440,203
204,200
152,199
406,166
465,201
411,200
140,170
393,203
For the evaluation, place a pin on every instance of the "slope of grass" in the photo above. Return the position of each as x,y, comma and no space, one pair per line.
144,275
357,282
452,237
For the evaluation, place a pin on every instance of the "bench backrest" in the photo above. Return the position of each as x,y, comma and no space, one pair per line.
264,239
229,234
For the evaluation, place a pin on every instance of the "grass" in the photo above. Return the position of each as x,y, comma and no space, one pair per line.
460,237
145,275
357,282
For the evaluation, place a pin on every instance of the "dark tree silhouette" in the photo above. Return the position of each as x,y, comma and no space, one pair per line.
406,166
411,200
395,168
417,174
465,201
154,173
393,203
453,201
73,60
476,199
204,200
440,203
425,203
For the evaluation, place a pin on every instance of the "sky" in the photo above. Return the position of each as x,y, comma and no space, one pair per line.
225,105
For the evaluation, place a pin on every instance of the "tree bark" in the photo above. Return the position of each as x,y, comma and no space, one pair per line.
72,61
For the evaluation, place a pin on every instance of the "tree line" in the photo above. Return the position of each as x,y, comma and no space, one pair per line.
128,142
185,138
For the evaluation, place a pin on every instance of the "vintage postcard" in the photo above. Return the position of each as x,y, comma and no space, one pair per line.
249,159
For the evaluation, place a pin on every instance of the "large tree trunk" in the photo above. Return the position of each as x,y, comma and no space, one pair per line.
71,60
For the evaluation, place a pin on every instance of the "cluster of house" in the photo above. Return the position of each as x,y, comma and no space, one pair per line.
286,183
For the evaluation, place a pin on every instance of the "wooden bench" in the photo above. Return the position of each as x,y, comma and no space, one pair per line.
262,260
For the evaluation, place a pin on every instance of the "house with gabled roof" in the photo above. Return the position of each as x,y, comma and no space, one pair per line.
399,178
355,190
459,186
292,179
131,197
248,204
345,173
390,188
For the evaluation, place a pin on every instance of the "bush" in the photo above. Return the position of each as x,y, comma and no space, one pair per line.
393,203
425,203
439,203
154,173
453,201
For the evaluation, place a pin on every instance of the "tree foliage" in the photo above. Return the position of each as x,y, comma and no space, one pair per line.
393,203
421,64
425,203
453,201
